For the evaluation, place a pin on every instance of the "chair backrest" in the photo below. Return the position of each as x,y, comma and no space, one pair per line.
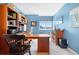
16,37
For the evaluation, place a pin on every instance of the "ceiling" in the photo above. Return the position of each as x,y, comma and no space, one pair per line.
41,9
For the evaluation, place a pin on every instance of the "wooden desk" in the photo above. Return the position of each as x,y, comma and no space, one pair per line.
43,42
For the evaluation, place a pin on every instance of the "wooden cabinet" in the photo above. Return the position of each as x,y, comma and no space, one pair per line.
8,24
43,45
3,29
3,19
10,20
57,36
59,33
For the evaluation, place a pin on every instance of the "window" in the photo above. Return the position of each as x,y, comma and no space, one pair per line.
45,25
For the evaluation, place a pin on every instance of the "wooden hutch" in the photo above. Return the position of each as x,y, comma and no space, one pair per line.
10,22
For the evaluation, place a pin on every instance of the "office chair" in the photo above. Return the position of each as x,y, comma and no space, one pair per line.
16,44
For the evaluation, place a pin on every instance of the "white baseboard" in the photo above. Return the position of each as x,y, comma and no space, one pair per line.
72,51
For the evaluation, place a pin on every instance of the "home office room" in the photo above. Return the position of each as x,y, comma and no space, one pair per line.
39,28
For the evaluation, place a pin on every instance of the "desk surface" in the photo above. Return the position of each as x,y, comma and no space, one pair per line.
42,35
34,35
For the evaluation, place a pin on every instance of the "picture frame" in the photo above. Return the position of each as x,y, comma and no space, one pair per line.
74,15
33,23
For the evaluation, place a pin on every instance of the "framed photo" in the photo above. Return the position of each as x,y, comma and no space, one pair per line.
74,15
33,23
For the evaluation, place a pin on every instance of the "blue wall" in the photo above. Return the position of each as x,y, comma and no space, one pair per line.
37,19
35,29
45,18
70,33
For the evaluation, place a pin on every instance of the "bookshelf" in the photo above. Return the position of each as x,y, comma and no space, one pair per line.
10,22
22,20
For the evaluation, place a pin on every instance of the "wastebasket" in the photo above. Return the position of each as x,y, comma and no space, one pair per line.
63,43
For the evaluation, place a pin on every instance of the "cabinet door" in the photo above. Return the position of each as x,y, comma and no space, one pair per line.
3,19
43,44
4,49
60,34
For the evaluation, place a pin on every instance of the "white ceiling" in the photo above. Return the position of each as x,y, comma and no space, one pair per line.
42,9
